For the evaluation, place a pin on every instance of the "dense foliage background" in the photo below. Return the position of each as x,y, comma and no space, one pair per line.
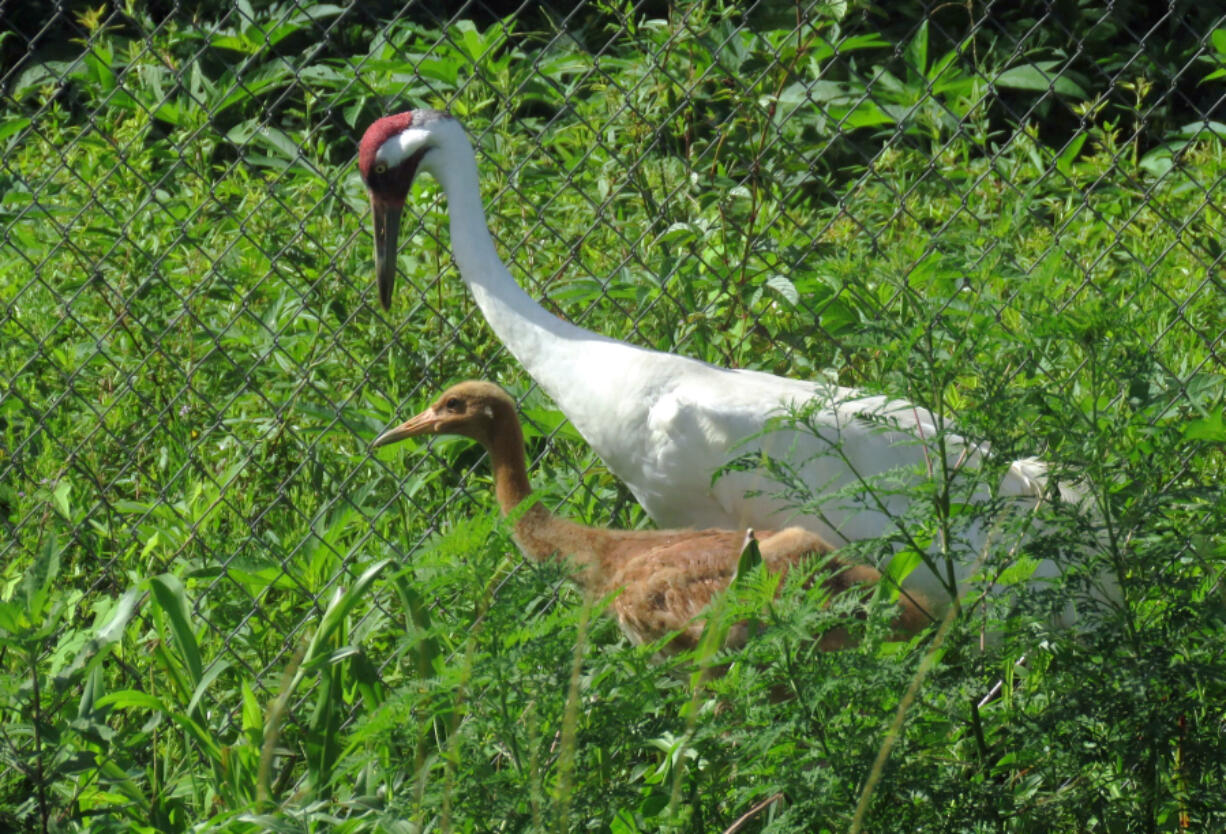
220,611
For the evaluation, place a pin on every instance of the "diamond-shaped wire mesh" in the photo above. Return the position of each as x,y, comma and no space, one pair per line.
194,362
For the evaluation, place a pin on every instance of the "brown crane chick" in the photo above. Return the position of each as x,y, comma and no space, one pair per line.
665,578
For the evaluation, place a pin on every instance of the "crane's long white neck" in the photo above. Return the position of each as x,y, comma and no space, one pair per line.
572,364
526,328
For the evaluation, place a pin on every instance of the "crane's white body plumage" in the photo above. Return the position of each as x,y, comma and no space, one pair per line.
665,424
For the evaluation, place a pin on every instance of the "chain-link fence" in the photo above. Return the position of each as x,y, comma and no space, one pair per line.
194,359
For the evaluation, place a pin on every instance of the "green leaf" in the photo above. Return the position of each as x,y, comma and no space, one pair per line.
11,126
751,557
426,647
1064,162
900,567
215,669
60,497
865,113
37,75
12,616
171,597
231,42
275,34
784,287
1018,572
1219,41
106,635
131,698
942,80
252,715
1040,76
1158,161
121,614
37,581
916,54
1210,428
340,606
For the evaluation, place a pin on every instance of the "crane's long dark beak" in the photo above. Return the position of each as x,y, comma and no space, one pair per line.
387,232
425,423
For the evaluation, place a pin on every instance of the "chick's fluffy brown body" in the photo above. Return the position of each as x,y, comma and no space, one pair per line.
663,579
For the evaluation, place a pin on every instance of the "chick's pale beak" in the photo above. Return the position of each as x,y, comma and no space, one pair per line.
424,423
387,230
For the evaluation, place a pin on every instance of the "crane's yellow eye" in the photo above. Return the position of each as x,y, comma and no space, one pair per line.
381,168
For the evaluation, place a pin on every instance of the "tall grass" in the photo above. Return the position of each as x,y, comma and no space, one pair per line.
219,610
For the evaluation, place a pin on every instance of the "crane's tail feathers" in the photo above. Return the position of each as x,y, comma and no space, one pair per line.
1028,477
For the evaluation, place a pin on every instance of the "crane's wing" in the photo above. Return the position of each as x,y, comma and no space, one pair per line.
781,444
665,590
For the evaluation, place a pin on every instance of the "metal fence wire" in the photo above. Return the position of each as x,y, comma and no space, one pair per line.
194,360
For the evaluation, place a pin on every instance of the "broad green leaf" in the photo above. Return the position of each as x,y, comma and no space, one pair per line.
121,613
39,578
11,126
1018,572
252,715
428,656
215,669
108,633
1041,76
132,698
915,56
231,42
60,496
1211,428
865,113
784,287
171,597
750,558
1064,162
341,604
1218,37
900,567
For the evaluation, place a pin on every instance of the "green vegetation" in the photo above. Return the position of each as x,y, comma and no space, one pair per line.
219,611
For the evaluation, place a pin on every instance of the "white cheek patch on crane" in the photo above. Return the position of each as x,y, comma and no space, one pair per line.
401,146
